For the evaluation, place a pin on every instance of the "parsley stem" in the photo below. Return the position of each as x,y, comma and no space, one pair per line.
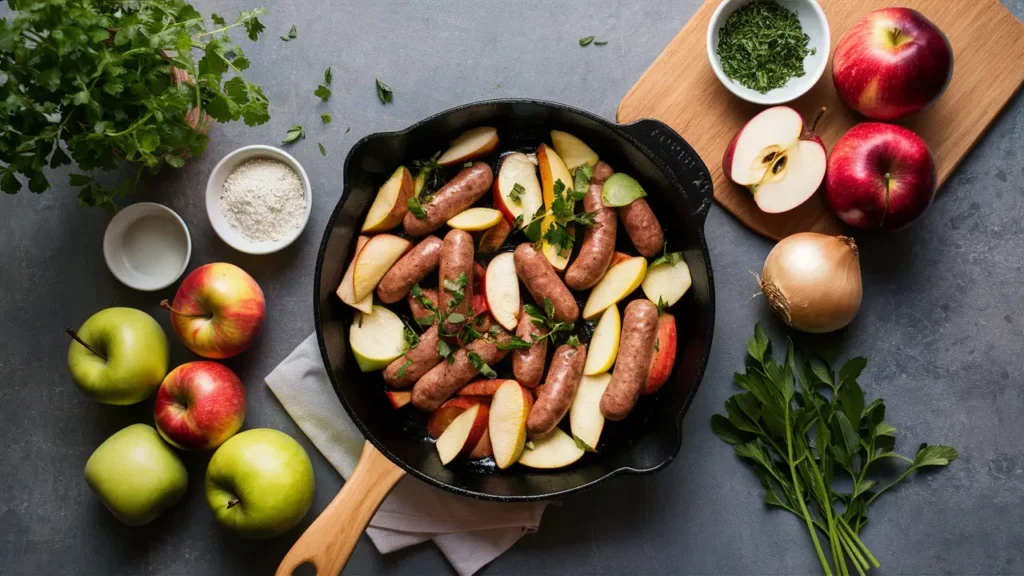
140,122
858,561
254,14
858,542
895,482
799,495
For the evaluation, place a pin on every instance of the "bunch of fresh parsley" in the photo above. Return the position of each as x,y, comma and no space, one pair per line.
802,427
100,83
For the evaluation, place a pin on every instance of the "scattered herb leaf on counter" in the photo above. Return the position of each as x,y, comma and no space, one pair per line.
327,76
325,117
481,366
322,92
294,133
384,92
762,46
348,129
292,34
586,40
323,151
601,43
800,425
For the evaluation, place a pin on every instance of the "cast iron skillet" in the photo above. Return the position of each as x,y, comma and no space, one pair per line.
679,189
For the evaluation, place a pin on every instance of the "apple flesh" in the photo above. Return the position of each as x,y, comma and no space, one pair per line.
585,418
391,204
618,282
374,260
398,398
880,177
664,354
441,418
469,145
510,407
501,289
573,151
199,406
518,168
463,434
892,63
475,219
556,449
346,290
376,339
777,159
604,344
667,282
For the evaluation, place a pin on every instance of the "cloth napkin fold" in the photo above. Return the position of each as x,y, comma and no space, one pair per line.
470,533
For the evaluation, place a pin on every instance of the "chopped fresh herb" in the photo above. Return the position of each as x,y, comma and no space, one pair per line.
294,133
327,76
323,92
456,287
546,319
418,294
532,230
323,151
481,366
549,308
292,33
586,40
761,46
669,258
582,445
601,43
558,235
661,305
518,222
426,320
515,194
348,129
581,180
467,164
412,339
384,92
325,117
513,343
456,318
534,312
416,208
494,330
467,334
443,349
657,344
402,368
573,340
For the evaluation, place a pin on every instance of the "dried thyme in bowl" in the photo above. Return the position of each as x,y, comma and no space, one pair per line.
762,46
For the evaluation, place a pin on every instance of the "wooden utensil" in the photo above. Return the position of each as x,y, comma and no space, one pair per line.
681,90
330,539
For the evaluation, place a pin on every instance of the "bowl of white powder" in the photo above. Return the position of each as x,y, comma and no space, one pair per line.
258,199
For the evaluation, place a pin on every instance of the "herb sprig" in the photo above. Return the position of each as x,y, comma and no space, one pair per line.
546,319
762,46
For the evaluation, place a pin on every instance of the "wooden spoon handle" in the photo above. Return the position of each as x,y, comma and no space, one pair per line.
330,539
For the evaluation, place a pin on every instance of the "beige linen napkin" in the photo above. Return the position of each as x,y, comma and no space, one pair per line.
470,533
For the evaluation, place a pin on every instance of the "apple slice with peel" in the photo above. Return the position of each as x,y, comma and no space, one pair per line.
553,450
552,169
618,258
510,406
469,145
391,203
518,168
346,290
777,158
667,279
463,434
374,261
376,338
398,398
617,283
664,354
604,344
441,418
573,151
475,219
585,418
501,289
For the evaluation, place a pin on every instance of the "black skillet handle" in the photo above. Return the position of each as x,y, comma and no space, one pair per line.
684,165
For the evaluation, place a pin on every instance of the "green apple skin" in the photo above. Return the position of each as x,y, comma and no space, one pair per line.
136,352
136,475
259,483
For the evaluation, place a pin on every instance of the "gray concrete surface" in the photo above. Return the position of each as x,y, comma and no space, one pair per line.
942,322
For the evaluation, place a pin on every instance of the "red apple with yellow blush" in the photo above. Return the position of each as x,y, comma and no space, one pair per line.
199,405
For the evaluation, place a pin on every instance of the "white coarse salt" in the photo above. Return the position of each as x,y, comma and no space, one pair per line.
263,200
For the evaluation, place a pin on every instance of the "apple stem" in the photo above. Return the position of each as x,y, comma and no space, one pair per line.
74,335
167,306
817,117
233,502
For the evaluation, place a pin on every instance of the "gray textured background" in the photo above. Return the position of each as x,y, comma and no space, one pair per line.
942,322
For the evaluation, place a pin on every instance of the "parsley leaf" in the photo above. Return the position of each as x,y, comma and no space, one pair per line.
481,366
586,40
412,339
384,92
294,133
327,76
661,305
558,235
323,151
515,194
323,92
456,318
666,257
325,117
416,208
513,343
401,370
292,32
581,180
601,43
456,287
549,308
418,294
444,350
532,230
518,222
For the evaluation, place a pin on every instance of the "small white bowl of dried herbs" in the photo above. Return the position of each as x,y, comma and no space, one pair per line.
768,51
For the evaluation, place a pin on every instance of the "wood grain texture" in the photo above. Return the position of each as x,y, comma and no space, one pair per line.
681,90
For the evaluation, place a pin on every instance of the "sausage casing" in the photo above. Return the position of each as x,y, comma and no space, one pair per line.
456,277
541,280
636,348
416,265
417,361
555,397
599,240
643,227
443,380
459,193
528,363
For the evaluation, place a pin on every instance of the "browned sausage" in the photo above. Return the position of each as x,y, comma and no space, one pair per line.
417,361
418,309
539,276
599,241
559,389
636,348
492,238
643,227
528,363
443,380
456,263
410,269
458,194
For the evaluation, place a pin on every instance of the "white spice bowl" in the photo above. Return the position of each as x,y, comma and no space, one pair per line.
215,186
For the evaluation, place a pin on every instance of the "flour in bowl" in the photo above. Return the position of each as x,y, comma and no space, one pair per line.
263,200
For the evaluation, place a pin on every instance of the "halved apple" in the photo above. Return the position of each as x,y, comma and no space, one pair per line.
585,418
469,145
441,418
553,450
501,289
346,290
510,407
485,387
777,158
667,281
664,354
374,260
463,434
604,344
573,151
391,203
517,168
493,238
618,282
398,398
376,338
475,219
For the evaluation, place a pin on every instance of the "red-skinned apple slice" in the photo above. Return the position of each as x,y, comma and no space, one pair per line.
398,398
517,168
346,290
391,202
664,354
501,289
440,419
463,434
469,145
780,161
374,261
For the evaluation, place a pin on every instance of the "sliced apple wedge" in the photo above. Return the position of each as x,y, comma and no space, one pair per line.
554,450
376,338
517,168
510,406
374,261
346,290
664,354
475,219
494,237
469,145
391,203
604,344
667,280
617,283
552,169
585,418
558,256
483,447
618,258
398,398
573,151
463,434
501,289
441,418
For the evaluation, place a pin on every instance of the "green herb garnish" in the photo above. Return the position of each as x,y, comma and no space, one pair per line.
444,350
294,133
292,34
416,208
322,92
761,46
582,445
481,366
323,151
513,343
515,194
418,294
586,40
601,43
384,92
325,117
546,319
327,76
403,367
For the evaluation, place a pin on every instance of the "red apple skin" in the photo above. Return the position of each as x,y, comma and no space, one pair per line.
229,306
856,180
887,79
440,419
398,398
665,356
199,405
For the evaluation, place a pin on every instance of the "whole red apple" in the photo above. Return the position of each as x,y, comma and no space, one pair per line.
892,63
199,405
880,176
218,310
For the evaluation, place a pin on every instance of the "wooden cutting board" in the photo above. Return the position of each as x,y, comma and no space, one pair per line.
681,90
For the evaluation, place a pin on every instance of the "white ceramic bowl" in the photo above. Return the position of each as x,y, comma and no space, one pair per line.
215,184
814,24
147,246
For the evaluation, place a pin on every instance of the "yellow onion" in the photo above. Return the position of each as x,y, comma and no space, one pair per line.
812,281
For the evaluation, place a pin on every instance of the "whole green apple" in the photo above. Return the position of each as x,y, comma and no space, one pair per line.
119,356
136,475
259,483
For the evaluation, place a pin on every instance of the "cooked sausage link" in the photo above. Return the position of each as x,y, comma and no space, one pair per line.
443,380
555,397
459,193
417,361
636,348
456,262
416,265
643,227
599,240
528,363
541,280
